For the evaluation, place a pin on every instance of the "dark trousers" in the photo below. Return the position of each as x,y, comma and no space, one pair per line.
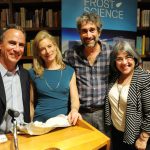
117,141
118,144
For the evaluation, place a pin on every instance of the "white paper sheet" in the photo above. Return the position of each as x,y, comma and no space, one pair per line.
39,128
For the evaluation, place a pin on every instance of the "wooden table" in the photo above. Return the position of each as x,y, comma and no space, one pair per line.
83,136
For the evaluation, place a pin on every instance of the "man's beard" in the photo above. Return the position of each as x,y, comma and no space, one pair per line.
91,45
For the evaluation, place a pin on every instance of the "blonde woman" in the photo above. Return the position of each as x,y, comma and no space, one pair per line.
53,81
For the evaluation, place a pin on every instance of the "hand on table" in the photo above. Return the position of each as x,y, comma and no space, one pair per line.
73,116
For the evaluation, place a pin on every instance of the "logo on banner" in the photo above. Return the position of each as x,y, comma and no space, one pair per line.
105,8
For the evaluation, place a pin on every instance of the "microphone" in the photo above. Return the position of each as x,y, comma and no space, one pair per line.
13,113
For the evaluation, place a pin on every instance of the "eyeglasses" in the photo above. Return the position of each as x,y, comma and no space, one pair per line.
127,58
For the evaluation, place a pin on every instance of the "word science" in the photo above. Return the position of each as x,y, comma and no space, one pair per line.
105,8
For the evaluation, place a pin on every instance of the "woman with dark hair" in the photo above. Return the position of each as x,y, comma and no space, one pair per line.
127,107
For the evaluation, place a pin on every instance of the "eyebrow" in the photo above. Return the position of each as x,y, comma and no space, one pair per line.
14,42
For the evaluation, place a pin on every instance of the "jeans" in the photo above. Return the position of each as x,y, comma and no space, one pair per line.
96,119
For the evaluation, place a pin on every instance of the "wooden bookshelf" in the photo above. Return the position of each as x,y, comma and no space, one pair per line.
4,1
143,29
33,16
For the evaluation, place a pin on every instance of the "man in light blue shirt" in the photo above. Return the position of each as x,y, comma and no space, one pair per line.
14,80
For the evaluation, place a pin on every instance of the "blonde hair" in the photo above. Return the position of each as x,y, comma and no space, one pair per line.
38,63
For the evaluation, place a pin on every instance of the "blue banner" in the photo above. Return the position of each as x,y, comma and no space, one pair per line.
115,14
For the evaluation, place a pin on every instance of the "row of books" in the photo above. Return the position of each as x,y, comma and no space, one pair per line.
4,17
143,18
27,65
29,46
146,65
37,18
29,49
143,45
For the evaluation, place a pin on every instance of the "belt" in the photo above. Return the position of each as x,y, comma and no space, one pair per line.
91,109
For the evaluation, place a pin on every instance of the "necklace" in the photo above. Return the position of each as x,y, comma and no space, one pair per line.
119,88
58,84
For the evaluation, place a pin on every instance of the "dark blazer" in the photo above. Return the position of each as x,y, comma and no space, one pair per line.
25,85
138,106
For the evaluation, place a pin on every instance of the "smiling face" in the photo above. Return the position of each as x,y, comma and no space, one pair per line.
12,48
47,51
89,34
125,63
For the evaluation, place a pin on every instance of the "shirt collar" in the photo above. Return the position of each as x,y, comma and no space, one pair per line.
4,71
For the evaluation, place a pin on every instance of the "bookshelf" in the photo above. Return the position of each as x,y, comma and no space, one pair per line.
33,16
143,28
143,32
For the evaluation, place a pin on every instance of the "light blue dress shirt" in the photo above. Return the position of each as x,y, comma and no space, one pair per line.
13,91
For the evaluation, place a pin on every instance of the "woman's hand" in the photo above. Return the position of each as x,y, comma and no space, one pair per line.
141,142
73,116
